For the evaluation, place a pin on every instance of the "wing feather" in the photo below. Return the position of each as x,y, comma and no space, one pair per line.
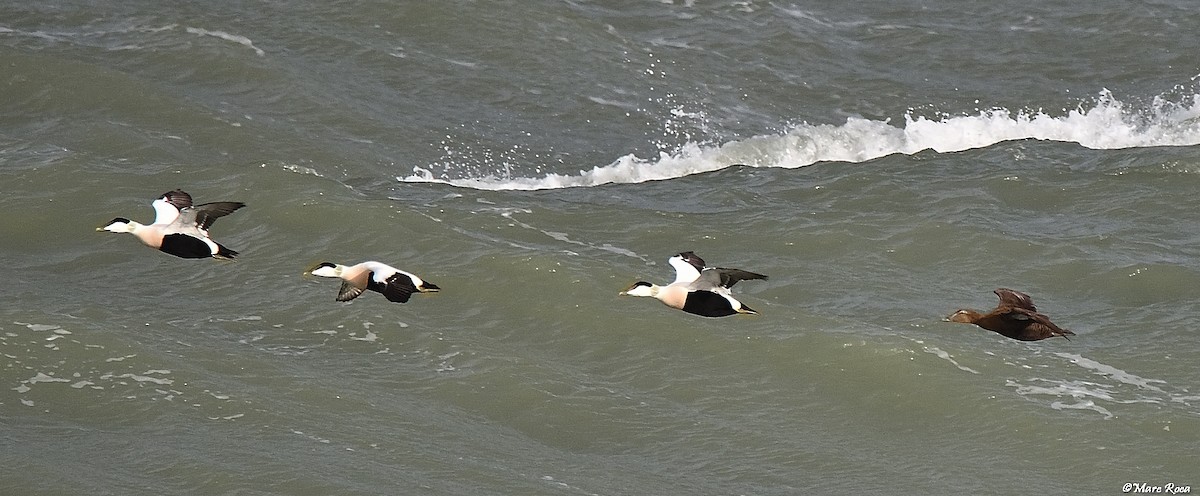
398,288
208,213
693,259
1015,298
1035,323
726,278
178,199
687,267
349,291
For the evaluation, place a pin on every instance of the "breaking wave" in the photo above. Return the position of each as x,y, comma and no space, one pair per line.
1109,124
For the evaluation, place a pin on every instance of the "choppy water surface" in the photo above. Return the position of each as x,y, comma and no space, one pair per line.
884,163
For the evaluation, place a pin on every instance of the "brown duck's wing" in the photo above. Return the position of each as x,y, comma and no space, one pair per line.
178,198
1035,326
1047,329
726,278
208,213
1015,298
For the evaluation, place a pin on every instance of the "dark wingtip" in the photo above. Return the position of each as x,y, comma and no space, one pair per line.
224,253
693,259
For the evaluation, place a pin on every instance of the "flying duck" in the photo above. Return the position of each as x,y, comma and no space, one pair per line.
1014,317
180,228
395,284
698,289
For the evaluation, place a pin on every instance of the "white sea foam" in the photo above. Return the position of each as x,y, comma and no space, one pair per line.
239,39
1109,124
1109,386
1082,405
162,381
1113,372
948,357
41,377
563,237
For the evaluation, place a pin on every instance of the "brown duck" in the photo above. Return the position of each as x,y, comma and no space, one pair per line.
1015,317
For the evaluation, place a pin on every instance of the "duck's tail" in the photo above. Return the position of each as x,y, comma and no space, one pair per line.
1064,333
747,310
224,253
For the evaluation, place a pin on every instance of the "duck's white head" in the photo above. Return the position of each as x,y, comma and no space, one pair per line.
641,288
327,269
119,225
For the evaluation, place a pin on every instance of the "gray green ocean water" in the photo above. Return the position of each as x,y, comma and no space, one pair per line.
900,160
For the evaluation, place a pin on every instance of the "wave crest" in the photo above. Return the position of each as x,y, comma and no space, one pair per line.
1107,125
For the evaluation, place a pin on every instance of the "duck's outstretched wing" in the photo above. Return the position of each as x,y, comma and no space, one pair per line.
1015,299
717,277
1036,324
398,288
204,215
349,291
